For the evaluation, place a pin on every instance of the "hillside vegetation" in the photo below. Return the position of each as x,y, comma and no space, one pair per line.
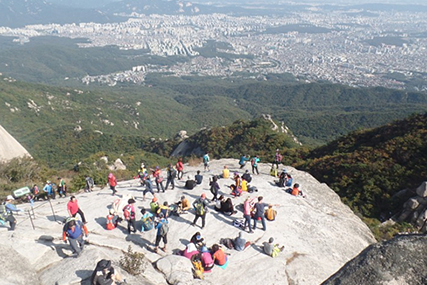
366,168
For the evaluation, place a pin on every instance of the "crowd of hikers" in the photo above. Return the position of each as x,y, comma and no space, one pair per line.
157,216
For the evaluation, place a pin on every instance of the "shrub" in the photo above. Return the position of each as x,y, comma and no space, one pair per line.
132,262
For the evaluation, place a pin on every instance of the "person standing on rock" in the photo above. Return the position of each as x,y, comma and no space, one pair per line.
201,207
75,230
112,181
6,212
206,160
254,163
129,214
180,168
74,209
162,233
171,175
158,178
277,159
247,209
259,213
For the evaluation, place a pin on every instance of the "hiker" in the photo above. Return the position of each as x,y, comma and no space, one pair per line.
158,179
75,230
247,209
49,190
254,163
103,273
74,209
214,187
189,250
148,188
206,160
164,209
61,187
142,174
112,181
171,175
162,233
243,160
239,243
218,255
206,258
147,221
244,185
277,159
198,178
190,184
37,193
154,205
112,220
180,168
183,205
282,178
259,213
129,214
247,176
6,212
225,206
197,239
271,249
201,207
296,191
225,172
270,214
89,184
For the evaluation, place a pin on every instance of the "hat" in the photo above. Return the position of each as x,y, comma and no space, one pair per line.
131,201
157,167
271,240
247,171
203,195
161,215
9,197
284,170
48,182
111,211
154,199
182,197
235,173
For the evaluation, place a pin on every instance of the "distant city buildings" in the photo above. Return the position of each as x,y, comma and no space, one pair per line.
357,48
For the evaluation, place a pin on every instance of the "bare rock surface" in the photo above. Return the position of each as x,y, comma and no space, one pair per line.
10,147
320,234
388,263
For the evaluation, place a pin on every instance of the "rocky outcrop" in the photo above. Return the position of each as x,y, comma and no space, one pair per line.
415,208
400,261
9,147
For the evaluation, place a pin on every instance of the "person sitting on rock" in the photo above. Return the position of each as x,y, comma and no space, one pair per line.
244,185
239,243
147,221
247,176
198,177
165,210
189,250
183,205
296,191
270,213
218,255
206,258
197,239
272,249
225,172
190,184
225,206
154,205
112,220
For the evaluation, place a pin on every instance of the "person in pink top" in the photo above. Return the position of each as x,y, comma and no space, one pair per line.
207,260
190,250
74,209
247,208
112,181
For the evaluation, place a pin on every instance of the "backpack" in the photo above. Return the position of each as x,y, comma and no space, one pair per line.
190,184
227,242
205,158
3,212
279,157
200,208
164,229
197,267
126,212
101,265
239,223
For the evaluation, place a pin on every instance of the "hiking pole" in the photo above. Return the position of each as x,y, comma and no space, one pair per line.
31,219
53,212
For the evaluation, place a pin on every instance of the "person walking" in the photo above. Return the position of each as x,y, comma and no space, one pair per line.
201,207
112,181
75,230
129,214
206,160
180,168
254,163
171,175
6,212
159,179
74,209
162,233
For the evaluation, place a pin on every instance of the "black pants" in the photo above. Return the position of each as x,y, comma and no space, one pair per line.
131,223
200,216
159,238
255,167
12,221
170,181
82,215
214,192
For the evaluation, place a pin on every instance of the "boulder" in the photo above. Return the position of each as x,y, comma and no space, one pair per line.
119,165
422,189
411,204
177,269
398,261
